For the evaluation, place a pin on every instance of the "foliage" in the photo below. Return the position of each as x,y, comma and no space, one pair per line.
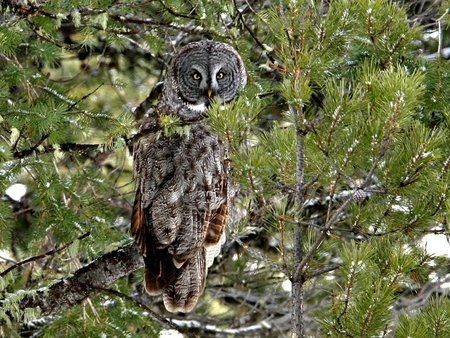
339,154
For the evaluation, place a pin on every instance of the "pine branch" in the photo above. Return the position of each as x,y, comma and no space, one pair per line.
151,124
90,280
95,278
64,147
85,282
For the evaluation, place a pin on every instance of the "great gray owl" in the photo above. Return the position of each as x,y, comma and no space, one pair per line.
180,209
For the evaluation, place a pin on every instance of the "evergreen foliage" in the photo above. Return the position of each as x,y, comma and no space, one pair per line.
338,147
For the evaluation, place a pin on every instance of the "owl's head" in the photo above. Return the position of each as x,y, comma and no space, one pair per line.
205,70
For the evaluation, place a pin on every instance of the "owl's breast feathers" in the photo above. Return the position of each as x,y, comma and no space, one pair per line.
179,213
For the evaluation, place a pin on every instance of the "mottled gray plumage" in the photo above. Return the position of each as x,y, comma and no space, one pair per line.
180,207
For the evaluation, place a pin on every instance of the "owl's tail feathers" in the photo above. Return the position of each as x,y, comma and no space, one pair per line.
153,285
159,271
182,295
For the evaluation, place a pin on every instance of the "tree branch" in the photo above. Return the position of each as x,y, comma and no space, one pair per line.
50,148
151,314
92,279
86,281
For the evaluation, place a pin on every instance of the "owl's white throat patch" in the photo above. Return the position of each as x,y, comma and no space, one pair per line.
201,107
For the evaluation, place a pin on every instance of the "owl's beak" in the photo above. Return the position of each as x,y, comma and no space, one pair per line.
209,93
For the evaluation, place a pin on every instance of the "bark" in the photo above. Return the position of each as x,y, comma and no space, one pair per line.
86,281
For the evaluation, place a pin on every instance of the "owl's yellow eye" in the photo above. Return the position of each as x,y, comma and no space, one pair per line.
220,75
197,76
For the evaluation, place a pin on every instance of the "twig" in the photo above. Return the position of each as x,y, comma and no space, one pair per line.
258,256
322,236
172,11
254,37
48,253
309,183
75,104
322,271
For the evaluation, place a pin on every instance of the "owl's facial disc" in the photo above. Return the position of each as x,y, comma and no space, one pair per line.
205,74
210,82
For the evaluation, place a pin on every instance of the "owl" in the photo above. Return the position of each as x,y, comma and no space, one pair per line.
180,208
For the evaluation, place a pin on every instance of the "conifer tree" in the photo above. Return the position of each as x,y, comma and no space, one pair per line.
340,157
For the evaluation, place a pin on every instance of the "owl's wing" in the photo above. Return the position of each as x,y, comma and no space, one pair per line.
138,224
156,211
215,235
159,269
151,178
138,229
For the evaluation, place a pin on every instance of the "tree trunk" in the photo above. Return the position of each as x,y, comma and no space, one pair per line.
297,274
